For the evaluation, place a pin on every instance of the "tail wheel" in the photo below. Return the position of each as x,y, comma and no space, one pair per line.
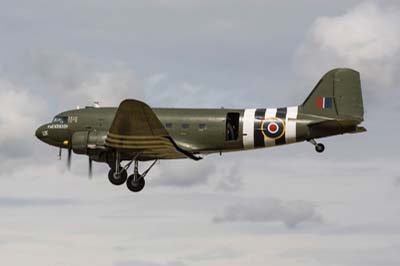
117,178
135,184
320,147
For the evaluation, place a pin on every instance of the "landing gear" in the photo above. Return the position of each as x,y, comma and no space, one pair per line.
319,147
117,174
117,177
134,182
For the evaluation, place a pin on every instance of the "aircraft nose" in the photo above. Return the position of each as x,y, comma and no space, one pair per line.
40,132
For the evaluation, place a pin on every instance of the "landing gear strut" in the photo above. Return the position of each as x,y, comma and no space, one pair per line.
117,174
134,182
319,147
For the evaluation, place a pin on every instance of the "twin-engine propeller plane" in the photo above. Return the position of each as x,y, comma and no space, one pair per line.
135,132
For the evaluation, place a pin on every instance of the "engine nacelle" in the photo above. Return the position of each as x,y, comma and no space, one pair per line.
82,141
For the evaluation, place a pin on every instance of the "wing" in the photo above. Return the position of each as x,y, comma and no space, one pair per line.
136,128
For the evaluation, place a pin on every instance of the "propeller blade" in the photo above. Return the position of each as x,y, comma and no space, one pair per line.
69,158
90,168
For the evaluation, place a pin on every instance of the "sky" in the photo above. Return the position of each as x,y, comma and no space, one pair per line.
282,206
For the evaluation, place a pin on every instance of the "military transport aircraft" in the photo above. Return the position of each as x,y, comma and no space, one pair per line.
135,132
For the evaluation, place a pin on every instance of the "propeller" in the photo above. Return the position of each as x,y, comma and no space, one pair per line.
69,157
69,161
90,168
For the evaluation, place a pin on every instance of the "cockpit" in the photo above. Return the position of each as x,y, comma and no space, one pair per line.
60,120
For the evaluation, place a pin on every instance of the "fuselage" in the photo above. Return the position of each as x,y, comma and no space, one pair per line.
201,131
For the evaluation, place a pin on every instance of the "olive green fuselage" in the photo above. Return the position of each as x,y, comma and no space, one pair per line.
199,131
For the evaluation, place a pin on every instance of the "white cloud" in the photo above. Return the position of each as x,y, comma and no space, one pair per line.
19,114
366,38
290,213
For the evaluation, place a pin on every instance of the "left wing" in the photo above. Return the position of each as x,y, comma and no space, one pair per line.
136,128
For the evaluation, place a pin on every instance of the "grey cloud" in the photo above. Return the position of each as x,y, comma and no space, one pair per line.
224,176
146,263
14,202
216,254
183,174
291,213
397,181
360,229
69,79
230,179
349,256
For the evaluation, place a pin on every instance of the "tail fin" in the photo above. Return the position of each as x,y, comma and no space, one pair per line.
337,95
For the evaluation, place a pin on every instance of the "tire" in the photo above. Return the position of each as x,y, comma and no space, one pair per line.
117,181
135,186
320,147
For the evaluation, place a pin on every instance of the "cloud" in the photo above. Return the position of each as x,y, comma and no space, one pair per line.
216,254
366,38
291,213
370,255
18,119
397,181
146,263
184,174
76,80
187,173
14,202
230,179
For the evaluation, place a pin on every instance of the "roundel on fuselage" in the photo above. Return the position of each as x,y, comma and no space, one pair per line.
273,128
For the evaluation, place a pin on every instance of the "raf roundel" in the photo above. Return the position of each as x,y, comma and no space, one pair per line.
273,128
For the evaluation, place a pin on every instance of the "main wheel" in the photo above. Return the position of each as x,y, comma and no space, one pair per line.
135,185
117,179
320,147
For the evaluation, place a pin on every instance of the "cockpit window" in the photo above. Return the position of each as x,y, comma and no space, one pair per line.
60,120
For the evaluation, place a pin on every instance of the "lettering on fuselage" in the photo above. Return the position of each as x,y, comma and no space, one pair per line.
57,126
72,119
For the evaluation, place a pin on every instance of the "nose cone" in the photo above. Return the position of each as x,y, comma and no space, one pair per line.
41,132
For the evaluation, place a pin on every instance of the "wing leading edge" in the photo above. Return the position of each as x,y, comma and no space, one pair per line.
136,128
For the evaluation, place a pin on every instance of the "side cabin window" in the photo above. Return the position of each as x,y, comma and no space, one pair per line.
232,126
168,125
60,120
202,127
185,126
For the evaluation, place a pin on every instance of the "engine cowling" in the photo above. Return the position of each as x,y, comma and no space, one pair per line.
82,141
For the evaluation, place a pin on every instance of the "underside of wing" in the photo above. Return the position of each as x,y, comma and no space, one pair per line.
137,129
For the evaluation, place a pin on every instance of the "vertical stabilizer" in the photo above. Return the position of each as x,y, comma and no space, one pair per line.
337,95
